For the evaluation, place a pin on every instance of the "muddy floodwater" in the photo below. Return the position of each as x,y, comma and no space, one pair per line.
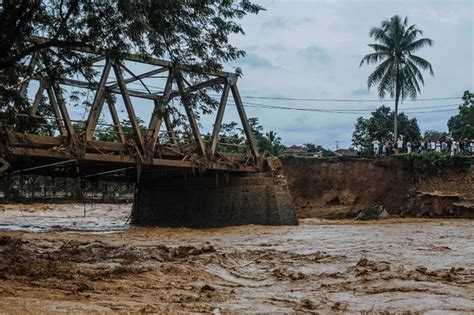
64,258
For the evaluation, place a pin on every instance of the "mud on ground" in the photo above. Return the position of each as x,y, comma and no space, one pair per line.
404,265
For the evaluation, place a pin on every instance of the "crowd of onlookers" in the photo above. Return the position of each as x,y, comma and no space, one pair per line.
444,145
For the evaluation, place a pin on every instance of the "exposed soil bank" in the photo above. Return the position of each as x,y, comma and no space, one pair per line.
337,189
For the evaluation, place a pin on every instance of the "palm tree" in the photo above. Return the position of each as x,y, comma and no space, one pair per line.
273,144
398,72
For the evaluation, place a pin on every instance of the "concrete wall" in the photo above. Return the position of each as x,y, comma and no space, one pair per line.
213,201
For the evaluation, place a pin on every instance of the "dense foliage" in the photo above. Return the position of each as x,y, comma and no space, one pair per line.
433,163
397,73
434,135
379,126
461,126
232,139
191,32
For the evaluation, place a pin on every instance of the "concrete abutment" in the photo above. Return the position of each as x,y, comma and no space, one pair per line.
214,200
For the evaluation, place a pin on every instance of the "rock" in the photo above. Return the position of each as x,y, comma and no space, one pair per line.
373,212
384,215
207,288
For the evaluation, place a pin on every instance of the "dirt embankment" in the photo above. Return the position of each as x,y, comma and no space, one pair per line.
336,189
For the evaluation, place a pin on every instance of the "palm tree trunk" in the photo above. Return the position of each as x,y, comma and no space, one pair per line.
397,98
395,119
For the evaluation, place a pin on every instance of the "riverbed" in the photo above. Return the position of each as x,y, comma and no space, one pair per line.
87,258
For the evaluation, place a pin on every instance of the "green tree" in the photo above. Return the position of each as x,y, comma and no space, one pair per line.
231,138
271,144
191,32
398,72
434,135
379,126
327,153
311,147
462,125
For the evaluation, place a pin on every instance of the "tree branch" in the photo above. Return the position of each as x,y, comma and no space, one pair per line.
39,46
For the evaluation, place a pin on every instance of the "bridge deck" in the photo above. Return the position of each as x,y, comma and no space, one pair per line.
53,156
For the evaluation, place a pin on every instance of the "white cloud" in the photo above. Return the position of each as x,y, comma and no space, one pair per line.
336,32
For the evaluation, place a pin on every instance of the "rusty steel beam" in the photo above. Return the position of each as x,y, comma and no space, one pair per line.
119,155
190,113
131,113
158,113
38,97
98,103
64,113
199,86
116,121
219,116
95,86
169,129
140,76
143,59
55,109
245,121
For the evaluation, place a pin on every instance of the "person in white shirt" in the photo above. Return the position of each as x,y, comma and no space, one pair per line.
376,144
438,146
400,144
454,148
432,145
408,147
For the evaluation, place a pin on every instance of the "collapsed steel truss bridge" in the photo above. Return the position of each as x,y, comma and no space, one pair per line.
78,153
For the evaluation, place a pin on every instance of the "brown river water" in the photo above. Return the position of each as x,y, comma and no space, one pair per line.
55,259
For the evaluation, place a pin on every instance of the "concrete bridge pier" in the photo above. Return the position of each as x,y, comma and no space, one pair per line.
213,200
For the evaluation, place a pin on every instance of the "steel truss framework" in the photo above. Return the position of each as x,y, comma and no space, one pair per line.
139,150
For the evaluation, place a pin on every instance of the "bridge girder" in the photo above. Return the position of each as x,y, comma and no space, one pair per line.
27,151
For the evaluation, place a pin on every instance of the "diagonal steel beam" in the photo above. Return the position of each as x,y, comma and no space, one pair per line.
169,128
95,86
158,113
116,121
140,76
55,109
97,104
189,112
38,97
245,121
131,113
199,86
64,113
219,116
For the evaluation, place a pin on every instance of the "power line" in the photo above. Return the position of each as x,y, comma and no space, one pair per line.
341,100
347,111
340,110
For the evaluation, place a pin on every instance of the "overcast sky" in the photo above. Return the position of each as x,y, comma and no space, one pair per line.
312,49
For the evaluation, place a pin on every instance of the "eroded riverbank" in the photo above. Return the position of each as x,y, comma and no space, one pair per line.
394,265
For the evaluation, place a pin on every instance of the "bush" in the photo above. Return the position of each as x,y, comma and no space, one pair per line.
433,163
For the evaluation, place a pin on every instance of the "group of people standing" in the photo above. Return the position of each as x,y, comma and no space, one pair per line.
444,145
